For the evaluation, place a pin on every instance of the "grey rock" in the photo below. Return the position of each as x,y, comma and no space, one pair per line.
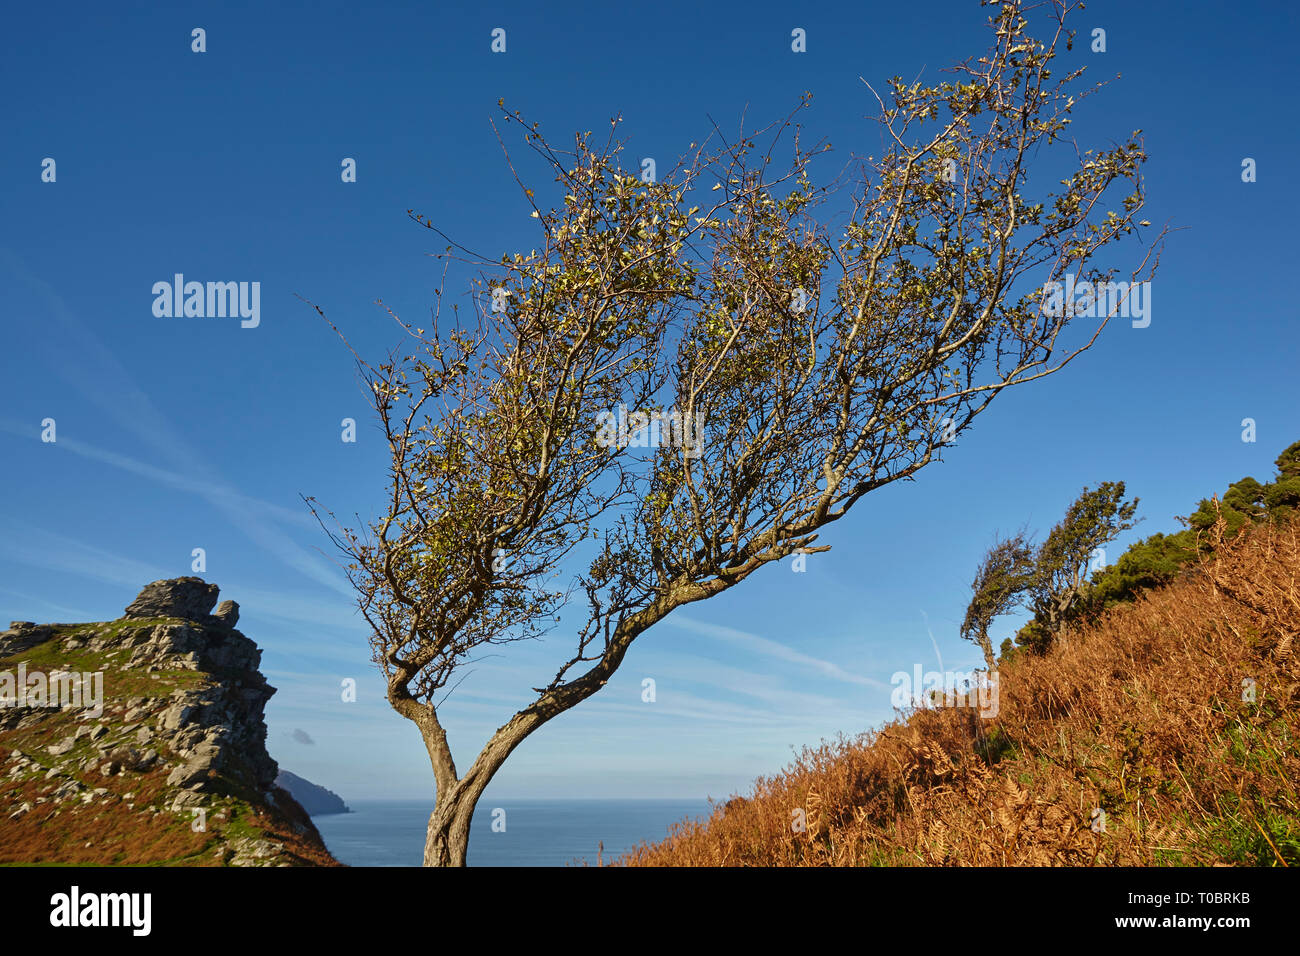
175,716
129,758
190,599
227,614
187,798
23,636
187,775
252,851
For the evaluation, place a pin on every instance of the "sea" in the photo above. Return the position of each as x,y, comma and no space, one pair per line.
526,833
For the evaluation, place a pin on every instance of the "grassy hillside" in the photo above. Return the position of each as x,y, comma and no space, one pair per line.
1145,714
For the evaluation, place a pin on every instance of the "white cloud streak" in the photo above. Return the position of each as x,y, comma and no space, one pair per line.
132,409
774,649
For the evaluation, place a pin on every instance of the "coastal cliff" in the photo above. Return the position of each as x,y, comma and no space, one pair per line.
312,797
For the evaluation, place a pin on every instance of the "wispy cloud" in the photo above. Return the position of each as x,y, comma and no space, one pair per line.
64,612
337,614
775,649
933,642
55,552
171,479
132,409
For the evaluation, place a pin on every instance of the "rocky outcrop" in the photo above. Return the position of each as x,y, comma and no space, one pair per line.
312,797
227,614
181,731
23,635
188,599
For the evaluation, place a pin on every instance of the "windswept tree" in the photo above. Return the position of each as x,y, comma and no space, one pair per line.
1093,520
1002,582
807,345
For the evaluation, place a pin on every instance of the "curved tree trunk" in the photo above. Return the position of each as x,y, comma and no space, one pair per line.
986,645
447,840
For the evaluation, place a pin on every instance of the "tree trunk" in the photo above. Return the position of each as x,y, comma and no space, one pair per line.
986,645
447,841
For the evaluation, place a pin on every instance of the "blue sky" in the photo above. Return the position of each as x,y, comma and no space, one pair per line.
175,434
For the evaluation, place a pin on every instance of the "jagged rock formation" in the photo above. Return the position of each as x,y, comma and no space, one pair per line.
312,797
174,769
190,599
23,635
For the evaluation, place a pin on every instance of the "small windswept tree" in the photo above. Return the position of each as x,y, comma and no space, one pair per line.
1001,584
1244,502
1093,520
804,353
